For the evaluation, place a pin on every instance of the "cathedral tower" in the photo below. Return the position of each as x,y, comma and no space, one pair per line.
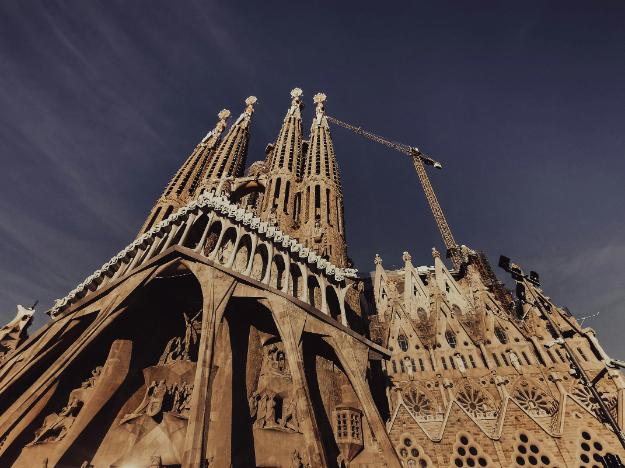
323,229
184,185
282,201
230,156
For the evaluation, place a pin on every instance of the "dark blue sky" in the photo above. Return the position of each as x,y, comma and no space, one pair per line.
524,102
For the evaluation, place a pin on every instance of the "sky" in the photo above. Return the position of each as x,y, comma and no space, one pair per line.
523,102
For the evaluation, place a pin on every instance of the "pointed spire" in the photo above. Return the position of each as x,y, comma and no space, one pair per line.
287,152
185,183
321,188
281,203
231,153
321,159
194,167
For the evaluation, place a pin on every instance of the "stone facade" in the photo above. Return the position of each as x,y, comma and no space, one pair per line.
233,332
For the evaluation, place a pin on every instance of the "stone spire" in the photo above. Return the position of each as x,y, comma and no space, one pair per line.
322,218
230,156
281,203
184,185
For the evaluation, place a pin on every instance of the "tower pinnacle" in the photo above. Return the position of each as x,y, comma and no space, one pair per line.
231,153
185,183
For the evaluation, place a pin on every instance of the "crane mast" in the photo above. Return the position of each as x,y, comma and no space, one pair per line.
419,161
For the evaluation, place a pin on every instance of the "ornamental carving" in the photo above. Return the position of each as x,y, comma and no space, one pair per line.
533,400
56,425
475,402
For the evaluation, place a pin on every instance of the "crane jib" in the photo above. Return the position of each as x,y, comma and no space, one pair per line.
419,159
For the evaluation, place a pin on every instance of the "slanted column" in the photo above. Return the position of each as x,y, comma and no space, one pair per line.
187,228
199,246
217,288
250,262
267,278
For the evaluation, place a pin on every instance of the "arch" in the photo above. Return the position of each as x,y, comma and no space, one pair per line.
259,263
212,238
451,338
196,231
314,292
297,282
501,335
334,306
242,257
226,247
277,272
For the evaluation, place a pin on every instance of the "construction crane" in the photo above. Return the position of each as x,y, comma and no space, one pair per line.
419,160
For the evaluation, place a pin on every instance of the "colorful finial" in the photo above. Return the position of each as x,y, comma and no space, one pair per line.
435,253
250,101
319,99
223,114
296,93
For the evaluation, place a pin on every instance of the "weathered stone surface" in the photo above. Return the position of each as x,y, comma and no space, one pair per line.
233,333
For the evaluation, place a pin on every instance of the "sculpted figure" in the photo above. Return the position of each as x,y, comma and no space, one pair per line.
55,426
289,416
152,401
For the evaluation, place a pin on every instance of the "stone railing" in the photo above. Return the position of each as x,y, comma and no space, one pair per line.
228,234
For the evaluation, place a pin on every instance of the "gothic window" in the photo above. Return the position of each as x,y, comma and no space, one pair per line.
421,364
287,189
276,193
401,364
414,290
328,207
496,360
581,353
307,205
451,338
414,366
551,356
154,216
394,367
505,359
451,361
526,358
560,355
501,335
467,452
472,361
402,341
444,362
446,286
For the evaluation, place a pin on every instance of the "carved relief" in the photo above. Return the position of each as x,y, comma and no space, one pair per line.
160,397
185,347
15,332
56,425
